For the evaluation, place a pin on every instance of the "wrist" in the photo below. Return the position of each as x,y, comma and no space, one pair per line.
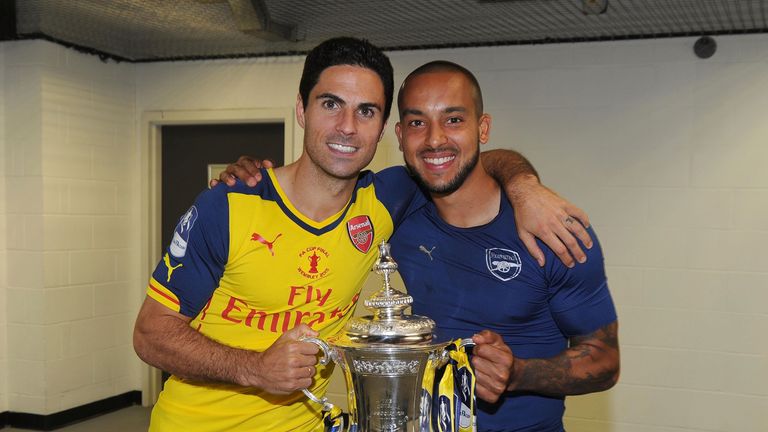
247,369
521,186
515,373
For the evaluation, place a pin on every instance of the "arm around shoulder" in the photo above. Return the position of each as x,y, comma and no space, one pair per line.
539,211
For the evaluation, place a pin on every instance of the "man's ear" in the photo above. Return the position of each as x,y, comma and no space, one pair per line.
485,128
381,134
399,133
299,110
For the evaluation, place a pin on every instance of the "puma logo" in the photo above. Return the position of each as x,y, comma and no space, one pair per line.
269,244
427,251
171,268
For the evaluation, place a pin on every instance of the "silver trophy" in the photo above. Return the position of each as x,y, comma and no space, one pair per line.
384,357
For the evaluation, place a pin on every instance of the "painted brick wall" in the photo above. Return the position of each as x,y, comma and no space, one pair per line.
72,248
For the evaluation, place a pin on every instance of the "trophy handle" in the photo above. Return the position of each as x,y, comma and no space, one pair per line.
327,406
443,356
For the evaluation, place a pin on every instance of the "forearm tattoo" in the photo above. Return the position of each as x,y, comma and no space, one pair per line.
590,364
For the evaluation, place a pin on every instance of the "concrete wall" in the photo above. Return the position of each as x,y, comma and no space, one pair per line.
665,151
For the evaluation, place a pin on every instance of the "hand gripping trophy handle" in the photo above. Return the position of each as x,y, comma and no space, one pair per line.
327,406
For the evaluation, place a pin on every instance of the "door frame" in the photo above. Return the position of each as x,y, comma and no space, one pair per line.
151,178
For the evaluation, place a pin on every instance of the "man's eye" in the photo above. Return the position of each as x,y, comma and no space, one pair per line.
454,120
329,104
416,123
367,112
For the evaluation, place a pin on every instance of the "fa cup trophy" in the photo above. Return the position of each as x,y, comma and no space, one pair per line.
384,358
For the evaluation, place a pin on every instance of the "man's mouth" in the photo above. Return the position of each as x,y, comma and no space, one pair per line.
439,160
341,148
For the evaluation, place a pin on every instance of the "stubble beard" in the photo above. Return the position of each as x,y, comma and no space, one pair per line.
451,185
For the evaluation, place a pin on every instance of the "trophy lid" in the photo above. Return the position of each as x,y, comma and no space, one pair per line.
389,323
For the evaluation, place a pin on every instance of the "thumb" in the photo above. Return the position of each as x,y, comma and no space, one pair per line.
488,337
299,332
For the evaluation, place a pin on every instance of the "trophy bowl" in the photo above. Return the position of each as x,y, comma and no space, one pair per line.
384,358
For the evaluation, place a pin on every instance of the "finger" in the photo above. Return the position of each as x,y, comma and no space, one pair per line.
212,183
252,166
226,177
498,353
577,229
251,178
533,248
309,351
557,246
486,395
492,382
305,331
578,213
489,386
493,356
266,163
494,364
298,384
253,169
488,337
573,246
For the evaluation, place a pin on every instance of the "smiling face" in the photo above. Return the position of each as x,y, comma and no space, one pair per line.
440,129
343,120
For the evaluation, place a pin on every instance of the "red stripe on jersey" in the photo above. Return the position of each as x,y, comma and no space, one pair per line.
173,300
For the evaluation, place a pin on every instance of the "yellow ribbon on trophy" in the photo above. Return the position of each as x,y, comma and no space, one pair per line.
448,401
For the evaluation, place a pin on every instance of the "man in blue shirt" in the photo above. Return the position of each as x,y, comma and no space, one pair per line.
542,332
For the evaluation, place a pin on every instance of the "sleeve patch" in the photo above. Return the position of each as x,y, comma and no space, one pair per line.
181,234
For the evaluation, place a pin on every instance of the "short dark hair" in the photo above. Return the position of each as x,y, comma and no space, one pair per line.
444,66
347,51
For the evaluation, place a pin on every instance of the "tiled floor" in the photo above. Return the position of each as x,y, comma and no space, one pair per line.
131,419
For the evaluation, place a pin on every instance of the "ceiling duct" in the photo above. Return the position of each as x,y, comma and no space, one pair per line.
252,17
594,7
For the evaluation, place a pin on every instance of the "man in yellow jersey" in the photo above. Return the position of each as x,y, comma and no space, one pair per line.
249,271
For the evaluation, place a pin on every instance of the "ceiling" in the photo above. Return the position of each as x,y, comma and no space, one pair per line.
154,30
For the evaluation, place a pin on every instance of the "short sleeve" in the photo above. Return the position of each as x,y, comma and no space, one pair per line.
399,193
580,301
193,263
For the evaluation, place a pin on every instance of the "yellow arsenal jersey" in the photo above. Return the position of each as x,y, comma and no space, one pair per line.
247,266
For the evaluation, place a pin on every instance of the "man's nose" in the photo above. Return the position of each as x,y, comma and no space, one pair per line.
347,124
436,136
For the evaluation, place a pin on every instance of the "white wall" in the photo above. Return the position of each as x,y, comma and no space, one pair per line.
72,248
664,150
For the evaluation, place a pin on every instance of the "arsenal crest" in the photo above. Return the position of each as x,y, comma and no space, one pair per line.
505,264
360,231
